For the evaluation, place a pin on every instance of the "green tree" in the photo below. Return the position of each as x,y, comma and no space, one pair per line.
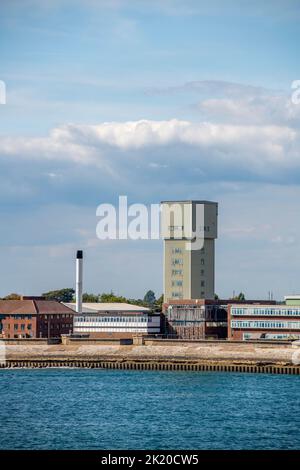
241,297
61,295
150,298
160,301
90,297
111,298
12,296
137,302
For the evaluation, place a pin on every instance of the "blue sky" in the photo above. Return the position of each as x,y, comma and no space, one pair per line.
197,104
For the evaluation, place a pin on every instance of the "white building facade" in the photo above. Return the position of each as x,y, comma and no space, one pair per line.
115,320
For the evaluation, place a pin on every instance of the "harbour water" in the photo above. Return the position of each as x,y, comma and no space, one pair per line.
118,409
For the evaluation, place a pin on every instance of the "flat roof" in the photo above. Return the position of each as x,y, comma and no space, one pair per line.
189,201
94,307
265,305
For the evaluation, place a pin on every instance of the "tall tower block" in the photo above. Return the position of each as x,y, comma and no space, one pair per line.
189,230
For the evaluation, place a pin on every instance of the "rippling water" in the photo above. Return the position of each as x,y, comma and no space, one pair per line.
111,409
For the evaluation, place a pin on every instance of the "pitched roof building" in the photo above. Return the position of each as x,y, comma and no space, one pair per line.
34,319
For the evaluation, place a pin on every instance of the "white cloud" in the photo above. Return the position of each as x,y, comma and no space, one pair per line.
260,150
237,103
249,110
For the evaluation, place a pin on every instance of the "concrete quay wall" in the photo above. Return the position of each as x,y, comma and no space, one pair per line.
160,355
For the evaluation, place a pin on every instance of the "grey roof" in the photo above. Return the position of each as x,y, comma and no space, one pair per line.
100,307
189,201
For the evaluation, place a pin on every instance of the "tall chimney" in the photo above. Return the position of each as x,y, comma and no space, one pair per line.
79,262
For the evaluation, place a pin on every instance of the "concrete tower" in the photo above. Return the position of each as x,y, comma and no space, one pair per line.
189,230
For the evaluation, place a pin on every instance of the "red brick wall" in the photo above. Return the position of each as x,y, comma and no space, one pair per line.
14,327
53,325
187,332
236,334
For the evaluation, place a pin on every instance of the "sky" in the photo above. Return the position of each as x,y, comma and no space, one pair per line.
155,100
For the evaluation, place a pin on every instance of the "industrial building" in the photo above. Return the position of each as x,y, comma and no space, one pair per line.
34,319
189,230
202,318
263,321
109,320
114,320
195,319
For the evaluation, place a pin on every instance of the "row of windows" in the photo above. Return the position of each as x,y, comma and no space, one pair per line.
22,326
179,295
295,312
29,316
176,250
286,325
57,325
204,228
124,319
177,272
177,261
177,283
21,317
64,315
90,329
271,336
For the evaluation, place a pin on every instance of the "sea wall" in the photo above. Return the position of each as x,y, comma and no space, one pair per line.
160,354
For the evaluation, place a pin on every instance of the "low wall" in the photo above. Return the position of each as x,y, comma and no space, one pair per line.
96,341
208,342
30,341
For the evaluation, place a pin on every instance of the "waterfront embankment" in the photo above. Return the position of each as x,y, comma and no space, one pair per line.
152,354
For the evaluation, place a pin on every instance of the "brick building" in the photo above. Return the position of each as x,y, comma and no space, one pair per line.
263,321
195,319
200,318
34,319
